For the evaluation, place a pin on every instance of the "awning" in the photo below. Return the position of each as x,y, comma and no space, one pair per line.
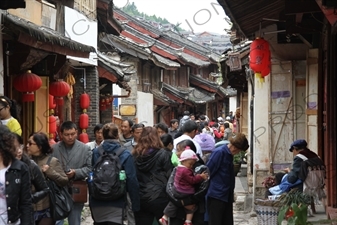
43,38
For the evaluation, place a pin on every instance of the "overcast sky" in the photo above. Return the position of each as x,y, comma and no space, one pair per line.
194,15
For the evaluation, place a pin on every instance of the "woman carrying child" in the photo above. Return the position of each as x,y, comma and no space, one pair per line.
184,184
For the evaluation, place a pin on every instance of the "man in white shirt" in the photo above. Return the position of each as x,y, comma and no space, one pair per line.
98,137
189,129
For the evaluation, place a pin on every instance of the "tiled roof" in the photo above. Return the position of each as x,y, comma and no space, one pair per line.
119,68
42,34
164,62
190,94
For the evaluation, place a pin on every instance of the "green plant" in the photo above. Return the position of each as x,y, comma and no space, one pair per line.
294,207
237,159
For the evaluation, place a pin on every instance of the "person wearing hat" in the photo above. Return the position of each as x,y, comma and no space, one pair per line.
301,153
220,194
184,184
207,144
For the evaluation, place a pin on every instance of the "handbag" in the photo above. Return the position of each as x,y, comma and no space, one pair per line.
79,191
61,202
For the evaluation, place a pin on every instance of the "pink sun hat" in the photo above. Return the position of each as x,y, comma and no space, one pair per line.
188,154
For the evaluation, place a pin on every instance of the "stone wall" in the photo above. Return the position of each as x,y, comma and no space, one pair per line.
92,89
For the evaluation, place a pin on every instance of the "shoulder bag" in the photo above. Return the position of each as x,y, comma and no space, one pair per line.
61,202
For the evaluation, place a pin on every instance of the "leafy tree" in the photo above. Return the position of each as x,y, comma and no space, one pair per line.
132,10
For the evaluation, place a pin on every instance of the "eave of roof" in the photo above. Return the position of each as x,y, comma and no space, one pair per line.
244,52
105,17
27,32
190,94
195,47
119,68
162,98
164,62
121,44
134,23
247,16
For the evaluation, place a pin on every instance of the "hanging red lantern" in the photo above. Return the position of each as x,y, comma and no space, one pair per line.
27,83
83,137
59,89
84,102
260,57
52,105
107,101
52,125
84,121
102,104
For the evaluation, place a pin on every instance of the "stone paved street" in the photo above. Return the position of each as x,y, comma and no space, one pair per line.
242,217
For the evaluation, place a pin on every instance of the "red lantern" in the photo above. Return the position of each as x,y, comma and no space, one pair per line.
84,121
84,101
107,101
260,56
83,137
52,104
59,89
102,104
27,83
52,124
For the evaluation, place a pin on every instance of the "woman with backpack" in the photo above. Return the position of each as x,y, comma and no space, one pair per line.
153,165
103,210
39,149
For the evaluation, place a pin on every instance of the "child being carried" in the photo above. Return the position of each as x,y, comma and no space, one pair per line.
184,184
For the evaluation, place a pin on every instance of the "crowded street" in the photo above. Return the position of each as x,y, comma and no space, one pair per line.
203,112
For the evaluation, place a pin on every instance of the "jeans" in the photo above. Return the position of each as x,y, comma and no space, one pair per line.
74,217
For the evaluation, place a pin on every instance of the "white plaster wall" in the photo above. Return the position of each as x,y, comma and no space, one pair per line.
232,104
145,108
261,125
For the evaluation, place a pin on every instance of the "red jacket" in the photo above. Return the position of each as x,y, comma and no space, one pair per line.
185,180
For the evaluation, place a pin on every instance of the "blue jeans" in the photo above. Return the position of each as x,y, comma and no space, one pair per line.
74,217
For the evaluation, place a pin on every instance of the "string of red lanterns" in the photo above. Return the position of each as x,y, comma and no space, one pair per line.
84,118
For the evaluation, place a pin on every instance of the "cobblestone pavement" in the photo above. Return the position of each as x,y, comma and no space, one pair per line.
240,218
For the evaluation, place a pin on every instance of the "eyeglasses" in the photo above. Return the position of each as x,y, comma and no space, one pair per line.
2,108
31,143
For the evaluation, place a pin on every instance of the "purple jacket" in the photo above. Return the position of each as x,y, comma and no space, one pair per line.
185,180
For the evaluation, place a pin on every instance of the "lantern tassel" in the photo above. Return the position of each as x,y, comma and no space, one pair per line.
260,79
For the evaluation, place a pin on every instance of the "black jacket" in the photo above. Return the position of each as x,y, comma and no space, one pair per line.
153,172
18,193
37,180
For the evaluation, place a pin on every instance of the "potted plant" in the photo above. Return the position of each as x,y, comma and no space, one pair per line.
237,160
294,207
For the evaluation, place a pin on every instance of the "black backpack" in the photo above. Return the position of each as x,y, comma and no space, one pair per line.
105,184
